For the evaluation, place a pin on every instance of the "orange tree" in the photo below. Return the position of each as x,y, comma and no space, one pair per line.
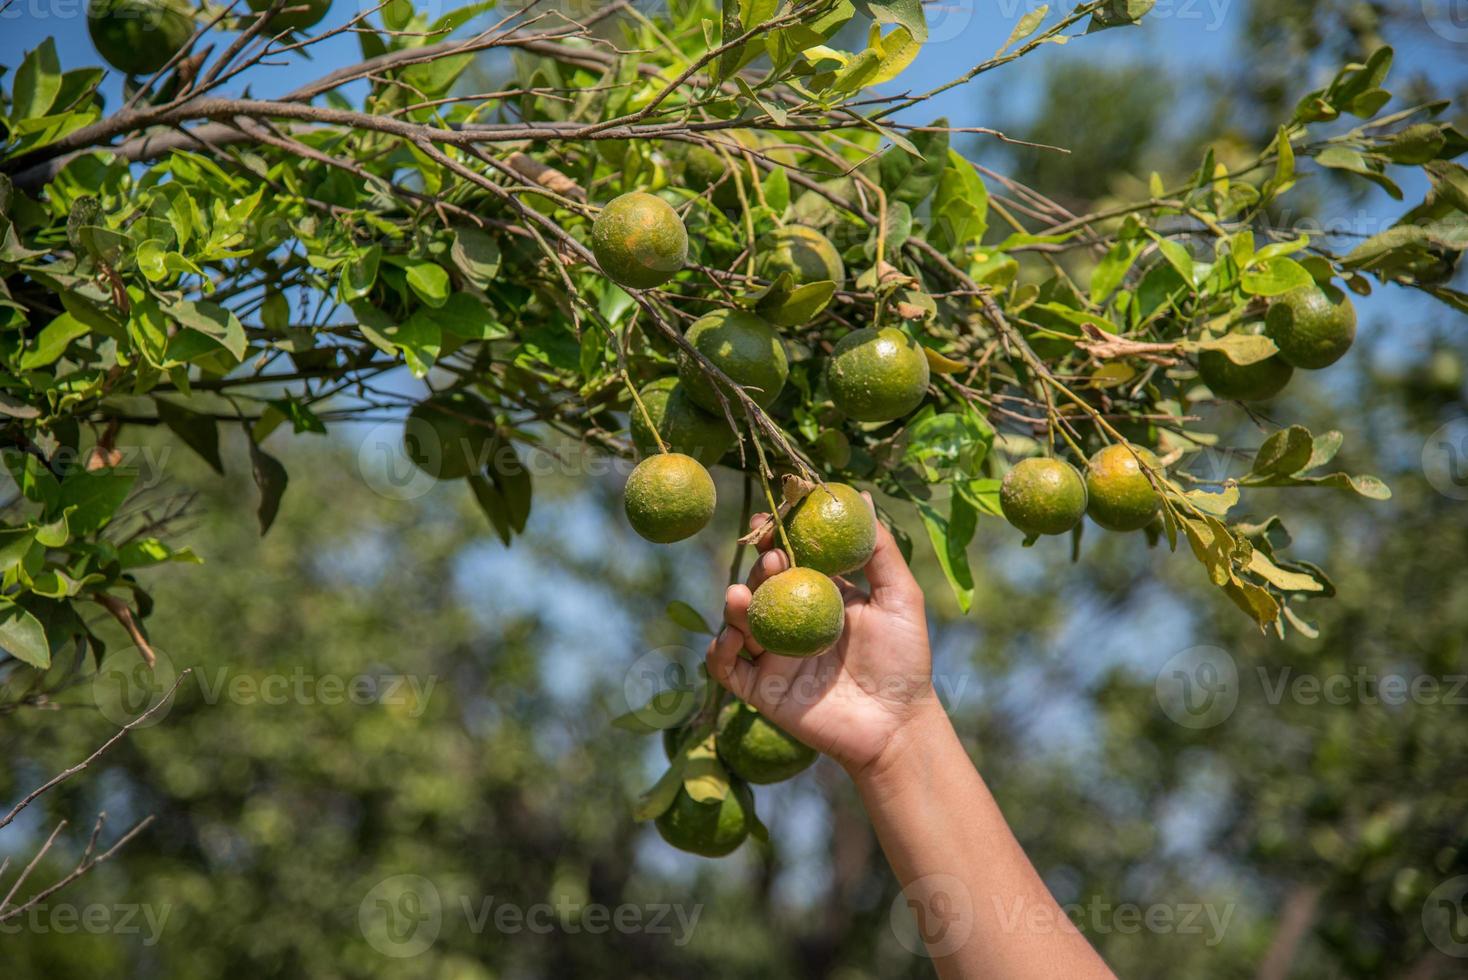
700,235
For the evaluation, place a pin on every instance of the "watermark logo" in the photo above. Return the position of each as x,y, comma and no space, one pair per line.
1445,916
1199,687
401,916
125,687
665,671
1445,460
384,463
1448,19
933,916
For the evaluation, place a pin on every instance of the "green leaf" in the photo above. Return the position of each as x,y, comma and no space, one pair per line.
1285,452
199,432
666,709
213,321
1111,271
477,255
95,497
52,342
1176,255
429,281
950,538
22,636
911,179
37,82
359,274
655,801
492,503
1416,144
1028,24
512,480
960,210
271,479
1275,276
905,13
1241,348
786,305
687,617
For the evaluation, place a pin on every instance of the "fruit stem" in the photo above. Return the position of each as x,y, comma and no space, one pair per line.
770,499
662,447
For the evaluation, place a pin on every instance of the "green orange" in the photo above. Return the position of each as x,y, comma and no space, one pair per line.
296,20
1313,326
797,613
669,497
743,346
1121,498
684,426
758,751
139,36
832,530
711,829
876,375
803,252
1255,382
1043,496
639,241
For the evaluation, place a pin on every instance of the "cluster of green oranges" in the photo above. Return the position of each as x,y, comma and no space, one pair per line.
680,424
754,750
140,37
1313,326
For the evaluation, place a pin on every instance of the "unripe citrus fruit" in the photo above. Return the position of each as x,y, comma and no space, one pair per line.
669,497
797,613
702,168
744,347
1255,382
639,241
876,375
447,436
1121,498
803,252
1312,326
297,20
1043,496
685,427
711,829
758,751
139,36
832,530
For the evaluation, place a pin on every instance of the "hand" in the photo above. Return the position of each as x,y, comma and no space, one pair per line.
850,701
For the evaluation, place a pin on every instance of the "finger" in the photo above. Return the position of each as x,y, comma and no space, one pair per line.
725,665
767,540
772,562
891,580
736,614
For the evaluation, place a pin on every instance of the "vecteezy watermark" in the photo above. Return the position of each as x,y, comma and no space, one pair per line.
402,916
933,916
1445,916
1448,19
1199,687
1445,459
125,687
96,919
1362,686
1099,917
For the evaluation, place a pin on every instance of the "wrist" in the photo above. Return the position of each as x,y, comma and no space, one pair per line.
921,734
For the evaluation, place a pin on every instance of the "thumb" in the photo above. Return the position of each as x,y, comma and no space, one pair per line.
891,580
